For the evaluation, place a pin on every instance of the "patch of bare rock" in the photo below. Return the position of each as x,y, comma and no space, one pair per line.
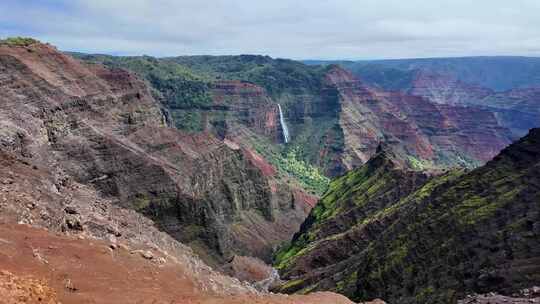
525,296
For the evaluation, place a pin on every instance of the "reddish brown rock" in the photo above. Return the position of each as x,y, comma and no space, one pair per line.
246,105
100,129
516,109
434,134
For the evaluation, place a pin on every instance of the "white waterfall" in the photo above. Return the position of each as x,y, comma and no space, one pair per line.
284,128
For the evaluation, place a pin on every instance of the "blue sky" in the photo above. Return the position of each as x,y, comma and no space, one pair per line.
299,29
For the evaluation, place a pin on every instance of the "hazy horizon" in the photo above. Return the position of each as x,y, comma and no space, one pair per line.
302,59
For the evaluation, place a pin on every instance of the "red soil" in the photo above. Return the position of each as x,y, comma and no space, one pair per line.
37,266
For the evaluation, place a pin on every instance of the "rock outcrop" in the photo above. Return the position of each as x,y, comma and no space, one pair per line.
382,232
527,295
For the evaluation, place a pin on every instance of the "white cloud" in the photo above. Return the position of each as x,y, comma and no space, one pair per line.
281,28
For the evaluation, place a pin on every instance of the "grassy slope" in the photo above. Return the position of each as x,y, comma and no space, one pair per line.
458,233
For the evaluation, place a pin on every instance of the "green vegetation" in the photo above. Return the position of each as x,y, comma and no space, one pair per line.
290,166
307,174
141,202
291,284
176,86
420,164
419,247
277,76
388,78
19,41
287,253
188,120
179,85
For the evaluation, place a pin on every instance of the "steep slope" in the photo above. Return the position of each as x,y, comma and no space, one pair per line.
37,266
459,232
100,130
517,109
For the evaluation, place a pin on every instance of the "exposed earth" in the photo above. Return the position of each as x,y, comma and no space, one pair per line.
38,266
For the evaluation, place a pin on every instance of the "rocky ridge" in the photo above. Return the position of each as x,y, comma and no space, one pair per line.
442,238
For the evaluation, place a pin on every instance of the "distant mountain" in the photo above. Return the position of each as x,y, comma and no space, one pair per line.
516,109
495,73
507,86
385,231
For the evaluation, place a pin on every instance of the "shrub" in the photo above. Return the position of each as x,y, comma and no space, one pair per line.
19,41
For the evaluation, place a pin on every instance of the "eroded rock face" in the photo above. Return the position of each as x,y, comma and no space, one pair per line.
445,89
379,234
235,105
515,109
240,109
101,129
495,298
430,133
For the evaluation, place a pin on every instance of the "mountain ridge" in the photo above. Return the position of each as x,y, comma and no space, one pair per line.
457,233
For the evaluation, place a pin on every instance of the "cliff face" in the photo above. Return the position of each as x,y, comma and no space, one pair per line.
244,112
445,89
384,232
101,128
440,134
338,125
234,105
516,109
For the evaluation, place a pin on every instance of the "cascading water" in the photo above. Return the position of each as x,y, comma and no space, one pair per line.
284,128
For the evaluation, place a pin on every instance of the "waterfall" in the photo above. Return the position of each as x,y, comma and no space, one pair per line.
284,128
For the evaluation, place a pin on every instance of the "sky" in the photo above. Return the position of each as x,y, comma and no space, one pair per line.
297,29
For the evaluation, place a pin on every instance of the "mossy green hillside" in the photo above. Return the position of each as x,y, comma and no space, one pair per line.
458,233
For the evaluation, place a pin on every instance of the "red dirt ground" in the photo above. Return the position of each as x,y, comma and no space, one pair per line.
37,266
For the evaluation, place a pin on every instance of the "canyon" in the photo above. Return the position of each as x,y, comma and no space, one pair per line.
214,179
335,120
86,151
